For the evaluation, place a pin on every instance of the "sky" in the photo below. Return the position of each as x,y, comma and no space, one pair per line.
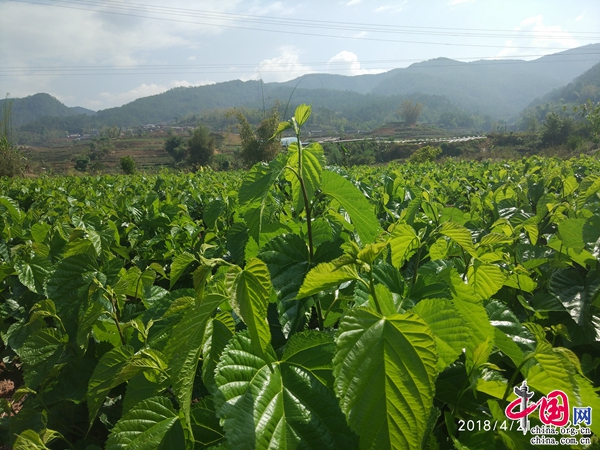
100,54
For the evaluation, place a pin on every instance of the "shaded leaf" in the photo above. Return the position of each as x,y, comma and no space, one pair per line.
447,326
144,427
184,347
250,291
326,276
102,380
385,369
356,205
286,407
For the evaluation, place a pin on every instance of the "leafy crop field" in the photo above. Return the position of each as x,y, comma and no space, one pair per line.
298,305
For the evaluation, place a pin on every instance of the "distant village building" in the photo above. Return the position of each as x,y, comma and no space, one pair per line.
286,141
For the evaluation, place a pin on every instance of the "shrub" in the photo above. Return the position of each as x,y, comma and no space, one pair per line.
128,165
257,144
175,147
82,162
201,147
11,160
425,154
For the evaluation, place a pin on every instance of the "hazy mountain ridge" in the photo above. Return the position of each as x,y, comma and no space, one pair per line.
500,89
584,87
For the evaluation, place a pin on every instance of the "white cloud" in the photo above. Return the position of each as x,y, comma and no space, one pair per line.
539,36
580,18
72,36
395,8
353,2
347,63
284,67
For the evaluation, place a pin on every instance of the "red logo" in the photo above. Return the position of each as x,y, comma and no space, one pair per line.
553,409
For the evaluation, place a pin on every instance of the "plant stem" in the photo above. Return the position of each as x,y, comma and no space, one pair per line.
373,293
305,197
116,319
320,316
417,260
514,376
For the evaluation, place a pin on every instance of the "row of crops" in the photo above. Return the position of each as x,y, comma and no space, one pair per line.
300,306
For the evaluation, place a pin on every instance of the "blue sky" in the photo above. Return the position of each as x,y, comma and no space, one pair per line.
100,54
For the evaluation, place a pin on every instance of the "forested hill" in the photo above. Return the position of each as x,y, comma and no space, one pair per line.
499,89
29,109
584,87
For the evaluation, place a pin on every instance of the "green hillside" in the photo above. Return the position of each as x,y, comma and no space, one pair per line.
584,87
29,109
452,92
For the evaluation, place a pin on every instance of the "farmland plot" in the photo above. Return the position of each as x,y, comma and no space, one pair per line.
301,306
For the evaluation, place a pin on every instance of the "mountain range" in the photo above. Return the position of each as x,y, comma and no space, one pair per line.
500,89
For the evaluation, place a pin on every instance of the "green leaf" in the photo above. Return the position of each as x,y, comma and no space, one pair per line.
87,320
591,235
258,181
447,326
354,202
8,205
205,424
509,347
370,252
180,263
520,281
30,440
570,232
476,319
495,238
286,407
72,275
459,234
409,213
385,370
287,258
33,272
502,317
486,279
212,211
281,127
577,295
218,333
184,347
250,292
302,114
439,249
384,301
144,427
326,276
312,160
140,388
39,353
404,242
102,381
469,305
588,187
553,371
146,360
313,352
237,238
